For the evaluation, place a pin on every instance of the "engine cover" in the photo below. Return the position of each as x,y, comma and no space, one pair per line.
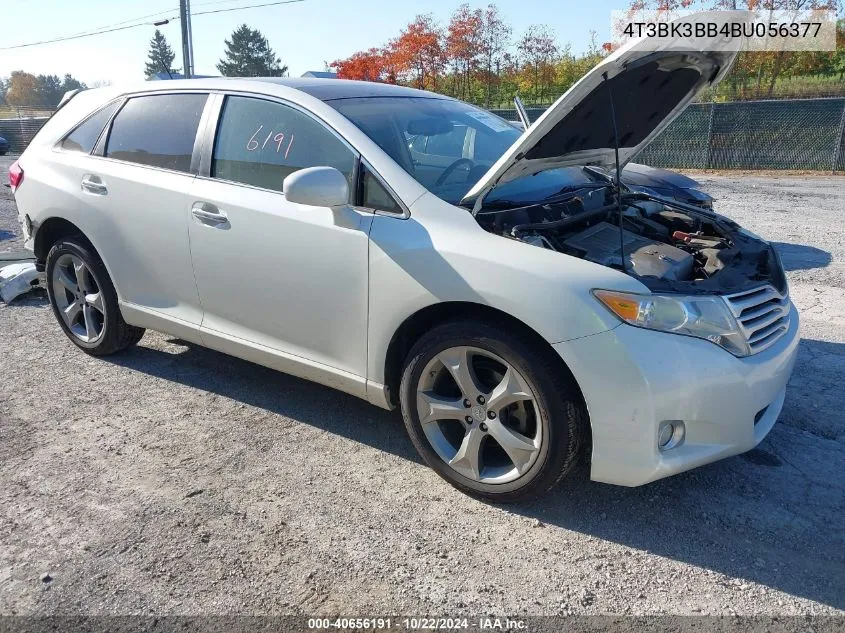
644,257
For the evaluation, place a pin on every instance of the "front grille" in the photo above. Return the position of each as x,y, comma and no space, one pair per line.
763,315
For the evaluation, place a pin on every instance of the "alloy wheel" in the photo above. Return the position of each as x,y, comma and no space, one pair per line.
479,414
78,298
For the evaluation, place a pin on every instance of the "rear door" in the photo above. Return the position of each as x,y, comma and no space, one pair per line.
138,182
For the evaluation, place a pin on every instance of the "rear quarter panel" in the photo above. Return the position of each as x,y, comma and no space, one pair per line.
49,189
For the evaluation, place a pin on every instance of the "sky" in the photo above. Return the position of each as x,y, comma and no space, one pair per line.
305,35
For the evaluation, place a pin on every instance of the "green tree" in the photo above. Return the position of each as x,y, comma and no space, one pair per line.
51,88
25,89
69,83
248,54
161,56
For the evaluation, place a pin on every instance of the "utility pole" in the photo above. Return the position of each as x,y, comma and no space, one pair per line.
187,42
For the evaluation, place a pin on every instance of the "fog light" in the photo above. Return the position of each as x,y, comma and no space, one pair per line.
670,434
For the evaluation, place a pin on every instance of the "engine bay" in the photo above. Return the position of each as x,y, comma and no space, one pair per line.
668,245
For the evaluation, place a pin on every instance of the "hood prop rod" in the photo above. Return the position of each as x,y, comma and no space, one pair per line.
521,113
618,172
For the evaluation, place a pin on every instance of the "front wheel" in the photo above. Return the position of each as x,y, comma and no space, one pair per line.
489,412
84,299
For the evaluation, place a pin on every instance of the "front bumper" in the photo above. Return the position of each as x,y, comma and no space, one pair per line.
633,379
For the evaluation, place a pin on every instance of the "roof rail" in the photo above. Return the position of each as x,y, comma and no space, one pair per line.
70,94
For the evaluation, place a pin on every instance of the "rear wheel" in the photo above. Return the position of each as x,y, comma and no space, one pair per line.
84,299
489,412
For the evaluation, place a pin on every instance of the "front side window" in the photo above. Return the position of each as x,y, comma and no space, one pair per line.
157,130
83,138
261,142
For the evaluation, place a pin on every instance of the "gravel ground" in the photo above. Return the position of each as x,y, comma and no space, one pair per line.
175,480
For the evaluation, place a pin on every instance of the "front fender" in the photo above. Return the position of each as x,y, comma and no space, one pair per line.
441,254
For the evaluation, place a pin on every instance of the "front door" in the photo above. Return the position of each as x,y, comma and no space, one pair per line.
279,275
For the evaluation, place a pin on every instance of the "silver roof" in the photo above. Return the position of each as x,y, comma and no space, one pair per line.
329,89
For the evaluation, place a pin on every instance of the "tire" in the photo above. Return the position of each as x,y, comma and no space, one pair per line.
96,325
543,432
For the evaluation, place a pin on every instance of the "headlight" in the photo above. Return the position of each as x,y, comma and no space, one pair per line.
704,317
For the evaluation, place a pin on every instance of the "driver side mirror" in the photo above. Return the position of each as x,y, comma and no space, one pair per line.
317,187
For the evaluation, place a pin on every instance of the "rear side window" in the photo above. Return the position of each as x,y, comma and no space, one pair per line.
261,142
157,130
85,136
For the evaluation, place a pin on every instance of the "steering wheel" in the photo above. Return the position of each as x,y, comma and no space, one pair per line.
448,171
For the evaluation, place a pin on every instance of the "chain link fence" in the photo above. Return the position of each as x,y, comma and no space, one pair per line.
19,125
801,134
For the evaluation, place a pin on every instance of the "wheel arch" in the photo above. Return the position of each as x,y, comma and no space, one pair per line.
423,320
51,231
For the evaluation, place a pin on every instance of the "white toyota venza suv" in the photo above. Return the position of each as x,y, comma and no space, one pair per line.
520,308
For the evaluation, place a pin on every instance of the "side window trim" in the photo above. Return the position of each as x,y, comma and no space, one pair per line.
209,133
210,112
360,166
102,141
213,128
100,145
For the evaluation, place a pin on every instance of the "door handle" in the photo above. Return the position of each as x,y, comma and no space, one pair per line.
94,185
208,214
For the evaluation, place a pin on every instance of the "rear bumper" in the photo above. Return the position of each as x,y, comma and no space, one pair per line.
633,379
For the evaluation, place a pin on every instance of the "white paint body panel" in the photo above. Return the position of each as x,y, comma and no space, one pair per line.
633,379
284,276
320,292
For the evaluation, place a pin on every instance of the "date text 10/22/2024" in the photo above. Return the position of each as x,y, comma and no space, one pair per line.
417,624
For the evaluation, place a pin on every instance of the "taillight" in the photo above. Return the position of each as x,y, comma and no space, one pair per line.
15,176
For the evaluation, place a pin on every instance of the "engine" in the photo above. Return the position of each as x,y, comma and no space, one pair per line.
604,244
668,245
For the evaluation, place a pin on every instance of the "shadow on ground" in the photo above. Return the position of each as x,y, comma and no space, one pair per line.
801,257
748,517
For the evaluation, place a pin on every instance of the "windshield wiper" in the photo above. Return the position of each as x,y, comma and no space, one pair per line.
568,189
566,193
598,173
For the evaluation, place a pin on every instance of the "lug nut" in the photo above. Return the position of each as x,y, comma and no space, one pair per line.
491,415
480,399
468,419
467,403
483,427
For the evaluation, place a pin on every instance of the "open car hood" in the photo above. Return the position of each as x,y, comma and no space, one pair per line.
649,88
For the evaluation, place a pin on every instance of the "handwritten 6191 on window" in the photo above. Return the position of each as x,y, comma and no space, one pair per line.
278,139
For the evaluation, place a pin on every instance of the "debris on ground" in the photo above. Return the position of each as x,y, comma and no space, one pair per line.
18,279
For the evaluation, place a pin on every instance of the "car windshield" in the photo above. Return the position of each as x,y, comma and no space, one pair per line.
445,145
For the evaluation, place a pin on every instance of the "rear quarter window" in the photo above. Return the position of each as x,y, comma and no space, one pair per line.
85,135
157,130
